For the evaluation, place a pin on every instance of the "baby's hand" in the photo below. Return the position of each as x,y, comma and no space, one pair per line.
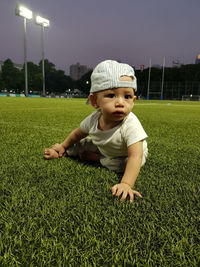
125,190
50,153
59,149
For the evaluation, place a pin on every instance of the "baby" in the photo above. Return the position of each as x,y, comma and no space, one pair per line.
112,134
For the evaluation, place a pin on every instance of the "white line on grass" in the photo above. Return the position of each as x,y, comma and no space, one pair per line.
167,104
33,126
147,104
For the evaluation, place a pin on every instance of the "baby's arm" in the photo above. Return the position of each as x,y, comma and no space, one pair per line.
131,173
74,137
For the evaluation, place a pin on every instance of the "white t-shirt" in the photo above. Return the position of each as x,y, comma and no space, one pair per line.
114,142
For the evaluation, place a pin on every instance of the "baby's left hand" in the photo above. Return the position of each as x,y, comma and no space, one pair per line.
125,190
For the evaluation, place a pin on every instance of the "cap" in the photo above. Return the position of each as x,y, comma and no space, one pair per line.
106,75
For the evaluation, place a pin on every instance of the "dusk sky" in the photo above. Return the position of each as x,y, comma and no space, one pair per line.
89,31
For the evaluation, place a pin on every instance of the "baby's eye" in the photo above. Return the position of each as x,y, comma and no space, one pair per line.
128,96
110,95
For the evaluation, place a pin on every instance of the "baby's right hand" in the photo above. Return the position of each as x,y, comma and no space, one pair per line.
59,149
50,153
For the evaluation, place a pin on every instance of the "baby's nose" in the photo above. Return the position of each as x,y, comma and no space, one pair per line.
119,101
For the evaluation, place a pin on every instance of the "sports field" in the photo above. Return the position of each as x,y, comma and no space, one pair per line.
61,212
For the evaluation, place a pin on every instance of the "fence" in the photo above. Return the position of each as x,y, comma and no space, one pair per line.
171,90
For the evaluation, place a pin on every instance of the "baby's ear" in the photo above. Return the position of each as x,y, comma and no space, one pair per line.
93,100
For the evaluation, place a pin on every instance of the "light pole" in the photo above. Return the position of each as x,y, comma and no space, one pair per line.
149,78
44,23
26,14
163,75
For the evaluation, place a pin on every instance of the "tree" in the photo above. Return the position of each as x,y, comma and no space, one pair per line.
1,82
84,83
11,76
34,77
55,80
49,67
49,74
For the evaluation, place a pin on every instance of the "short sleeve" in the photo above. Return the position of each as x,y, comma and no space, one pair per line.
85,124
132,130
89,122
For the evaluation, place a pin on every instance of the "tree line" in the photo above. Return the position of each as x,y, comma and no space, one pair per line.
178,81
11,78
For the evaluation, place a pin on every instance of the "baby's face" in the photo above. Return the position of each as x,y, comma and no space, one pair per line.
115,104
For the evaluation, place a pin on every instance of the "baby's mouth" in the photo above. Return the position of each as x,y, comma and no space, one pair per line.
118,113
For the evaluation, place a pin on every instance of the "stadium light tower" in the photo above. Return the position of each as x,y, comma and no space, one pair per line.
44,23
26,14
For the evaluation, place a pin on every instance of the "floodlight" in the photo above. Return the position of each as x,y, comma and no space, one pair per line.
42,21
24,12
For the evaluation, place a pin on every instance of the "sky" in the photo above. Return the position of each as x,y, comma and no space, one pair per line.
89,31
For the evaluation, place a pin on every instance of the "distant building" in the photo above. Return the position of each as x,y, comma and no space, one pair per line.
18,66
197,61
156,66
142,67
176,64
77,71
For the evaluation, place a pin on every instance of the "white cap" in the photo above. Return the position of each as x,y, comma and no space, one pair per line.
106,75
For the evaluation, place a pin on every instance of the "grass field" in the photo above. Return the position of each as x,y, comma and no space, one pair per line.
61,212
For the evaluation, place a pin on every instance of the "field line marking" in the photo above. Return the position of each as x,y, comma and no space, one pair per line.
34,126
167,104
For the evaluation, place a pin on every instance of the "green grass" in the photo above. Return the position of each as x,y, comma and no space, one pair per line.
62,213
